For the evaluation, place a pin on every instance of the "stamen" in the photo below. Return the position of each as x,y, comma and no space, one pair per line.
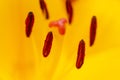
44,8
80,54
29,23
93,28
47,44
42,4
69,10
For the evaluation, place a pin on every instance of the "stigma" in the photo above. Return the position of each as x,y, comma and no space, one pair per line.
60,24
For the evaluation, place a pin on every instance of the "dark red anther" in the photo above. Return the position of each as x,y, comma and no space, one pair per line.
44,8
42,4
46,13
47,44
93,28
29,23
80,54
69,10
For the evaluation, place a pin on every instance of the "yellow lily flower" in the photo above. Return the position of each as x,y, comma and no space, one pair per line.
21,58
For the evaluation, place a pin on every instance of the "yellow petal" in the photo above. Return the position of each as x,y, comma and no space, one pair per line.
21,57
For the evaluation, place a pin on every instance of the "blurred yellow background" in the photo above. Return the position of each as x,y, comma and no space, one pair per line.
21,57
